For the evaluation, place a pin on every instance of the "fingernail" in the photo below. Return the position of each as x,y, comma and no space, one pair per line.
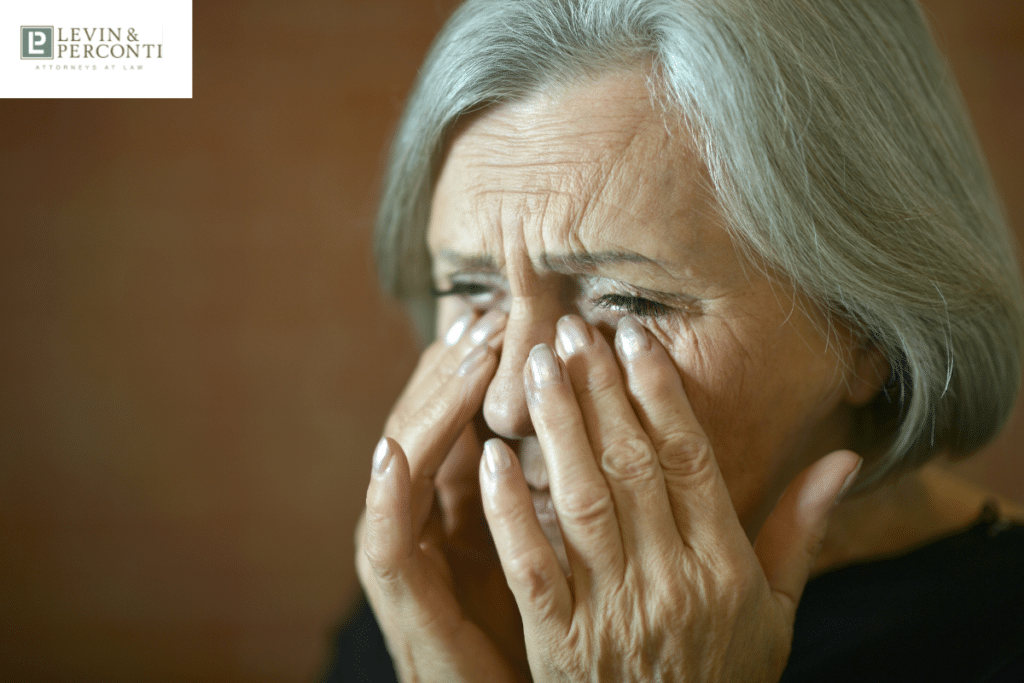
496,457
472,360
487,326
631,338
848,482
544,366
382,457
458,328
573,334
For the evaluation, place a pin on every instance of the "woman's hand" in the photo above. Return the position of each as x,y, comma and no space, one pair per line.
664,584
424,556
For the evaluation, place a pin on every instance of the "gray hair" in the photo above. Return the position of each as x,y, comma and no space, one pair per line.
841,155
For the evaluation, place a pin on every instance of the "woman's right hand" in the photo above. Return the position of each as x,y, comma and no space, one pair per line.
424,555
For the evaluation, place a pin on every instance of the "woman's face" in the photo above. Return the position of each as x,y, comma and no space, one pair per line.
586,199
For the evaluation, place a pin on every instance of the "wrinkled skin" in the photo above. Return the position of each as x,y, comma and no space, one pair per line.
667,399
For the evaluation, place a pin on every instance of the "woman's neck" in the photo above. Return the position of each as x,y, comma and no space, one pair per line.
903,514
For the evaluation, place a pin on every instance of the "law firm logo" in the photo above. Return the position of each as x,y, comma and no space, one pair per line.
95,48
36,42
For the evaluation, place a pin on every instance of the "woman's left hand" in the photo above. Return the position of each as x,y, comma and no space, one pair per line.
664,583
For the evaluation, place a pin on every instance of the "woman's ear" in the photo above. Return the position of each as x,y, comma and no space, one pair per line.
870,371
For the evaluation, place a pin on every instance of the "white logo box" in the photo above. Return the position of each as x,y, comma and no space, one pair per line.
96,49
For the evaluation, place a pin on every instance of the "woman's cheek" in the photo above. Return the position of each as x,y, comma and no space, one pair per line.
716,372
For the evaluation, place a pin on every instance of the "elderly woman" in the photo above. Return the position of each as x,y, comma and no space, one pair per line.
714,281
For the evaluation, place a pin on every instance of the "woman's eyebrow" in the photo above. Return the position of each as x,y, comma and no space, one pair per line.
585,262
472,263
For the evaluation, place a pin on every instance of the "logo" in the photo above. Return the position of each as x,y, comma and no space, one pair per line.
63,52
36,42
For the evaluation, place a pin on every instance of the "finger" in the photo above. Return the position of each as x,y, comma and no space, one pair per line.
408,586
790,539
431,432
457,488
423,376
699,499
425,627
444,354
428,424
454,379
388,538
443,358
625,454
530,563
579,492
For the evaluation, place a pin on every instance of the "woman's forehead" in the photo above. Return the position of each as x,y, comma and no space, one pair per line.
587,123
587,169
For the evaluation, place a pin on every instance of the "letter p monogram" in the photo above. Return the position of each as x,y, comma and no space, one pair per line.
37,42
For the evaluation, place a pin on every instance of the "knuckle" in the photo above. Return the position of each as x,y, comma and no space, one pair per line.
383,557
586,506
672,601
535,581
735,583
813,547
381,566
686,454
379,558
629,458
742,579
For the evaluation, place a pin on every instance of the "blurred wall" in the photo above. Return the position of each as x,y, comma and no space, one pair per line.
194,360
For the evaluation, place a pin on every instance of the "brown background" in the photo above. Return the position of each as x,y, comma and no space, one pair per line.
194,361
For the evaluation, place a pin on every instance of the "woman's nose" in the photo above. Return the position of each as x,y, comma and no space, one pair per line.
505,410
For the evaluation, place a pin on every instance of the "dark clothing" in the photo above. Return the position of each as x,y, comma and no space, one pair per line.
360,655
952,610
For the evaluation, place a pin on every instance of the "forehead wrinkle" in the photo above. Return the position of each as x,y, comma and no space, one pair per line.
615,190
513,126
588,189
576,252
576,190
521,267
586,183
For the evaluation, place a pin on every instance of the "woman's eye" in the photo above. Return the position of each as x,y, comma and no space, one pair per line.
634,305
462,289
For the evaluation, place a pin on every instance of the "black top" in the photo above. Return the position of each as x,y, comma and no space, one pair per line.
952,610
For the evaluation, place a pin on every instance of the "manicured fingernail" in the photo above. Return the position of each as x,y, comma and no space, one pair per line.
848,482
631,339
382,457
472,360
496,457
458,328
487,326
573,334
544,366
